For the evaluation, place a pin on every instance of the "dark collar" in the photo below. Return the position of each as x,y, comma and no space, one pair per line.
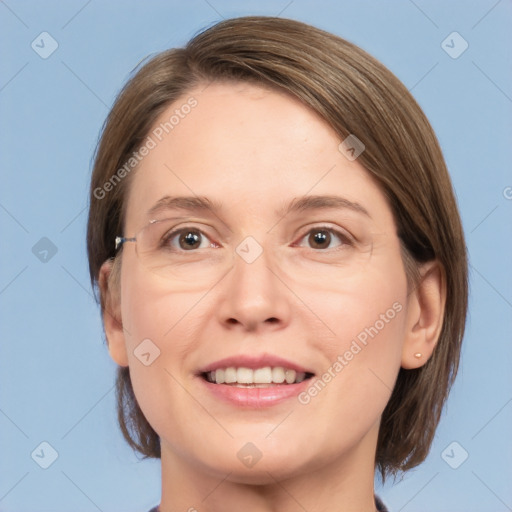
380,506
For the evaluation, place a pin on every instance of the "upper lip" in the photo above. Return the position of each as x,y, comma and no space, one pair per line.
254,362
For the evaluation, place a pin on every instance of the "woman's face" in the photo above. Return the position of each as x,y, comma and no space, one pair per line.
257,287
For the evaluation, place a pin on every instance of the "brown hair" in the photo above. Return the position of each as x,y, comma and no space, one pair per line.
354,94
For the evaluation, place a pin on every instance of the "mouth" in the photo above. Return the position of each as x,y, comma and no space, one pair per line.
254,381
264,377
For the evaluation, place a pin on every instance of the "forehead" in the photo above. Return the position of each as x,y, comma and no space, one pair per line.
247,147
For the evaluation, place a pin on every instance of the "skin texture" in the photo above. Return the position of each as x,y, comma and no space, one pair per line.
254,150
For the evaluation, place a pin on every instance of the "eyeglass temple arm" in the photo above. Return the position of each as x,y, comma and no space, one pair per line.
120,240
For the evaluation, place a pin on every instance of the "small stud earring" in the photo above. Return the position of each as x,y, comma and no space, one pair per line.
418,355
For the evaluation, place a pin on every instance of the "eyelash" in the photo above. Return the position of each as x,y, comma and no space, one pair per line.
345,239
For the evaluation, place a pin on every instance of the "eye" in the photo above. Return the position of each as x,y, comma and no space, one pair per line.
321,237
190,238
186,239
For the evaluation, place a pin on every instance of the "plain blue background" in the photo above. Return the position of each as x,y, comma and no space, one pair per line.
55,373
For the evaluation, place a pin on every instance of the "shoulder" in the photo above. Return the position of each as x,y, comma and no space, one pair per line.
378,503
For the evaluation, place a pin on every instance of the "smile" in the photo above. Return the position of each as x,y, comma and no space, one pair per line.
266,376
254,381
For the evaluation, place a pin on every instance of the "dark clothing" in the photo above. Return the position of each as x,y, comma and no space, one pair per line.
378,503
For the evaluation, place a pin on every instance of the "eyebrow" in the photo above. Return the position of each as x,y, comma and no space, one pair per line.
296,205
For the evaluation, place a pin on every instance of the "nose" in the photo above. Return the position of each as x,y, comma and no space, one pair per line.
254,296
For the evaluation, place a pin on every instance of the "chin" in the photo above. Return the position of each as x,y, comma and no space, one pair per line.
263,472
258,463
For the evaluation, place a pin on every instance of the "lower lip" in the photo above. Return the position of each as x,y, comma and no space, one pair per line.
255,397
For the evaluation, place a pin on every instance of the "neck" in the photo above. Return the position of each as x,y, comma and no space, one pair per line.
344,484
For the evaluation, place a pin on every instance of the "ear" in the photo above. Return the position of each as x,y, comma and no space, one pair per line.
425,313
111,312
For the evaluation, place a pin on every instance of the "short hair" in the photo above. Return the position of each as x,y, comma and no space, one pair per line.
355,95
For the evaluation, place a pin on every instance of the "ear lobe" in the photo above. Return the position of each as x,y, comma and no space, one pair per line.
425,315
109,286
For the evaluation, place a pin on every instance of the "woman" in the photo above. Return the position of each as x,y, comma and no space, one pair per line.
281,269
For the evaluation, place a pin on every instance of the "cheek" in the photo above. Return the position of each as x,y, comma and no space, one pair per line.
361,362
151,309
366,319
161,321
156,323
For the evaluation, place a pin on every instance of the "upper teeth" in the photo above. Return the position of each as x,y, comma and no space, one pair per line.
265,375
